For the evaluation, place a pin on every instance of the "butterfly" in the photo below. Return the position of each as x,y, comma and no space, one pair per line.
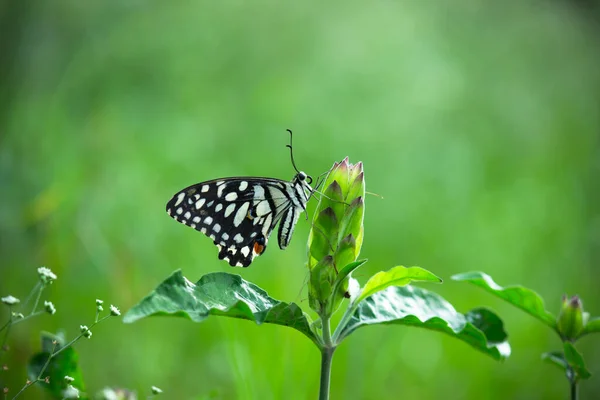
240,213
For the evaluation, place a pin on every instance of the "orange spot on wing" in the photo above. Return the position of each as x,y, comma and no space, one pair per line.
258,248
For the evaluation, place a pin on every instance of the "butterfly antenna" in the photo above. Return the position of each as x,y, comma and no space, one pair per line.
292,151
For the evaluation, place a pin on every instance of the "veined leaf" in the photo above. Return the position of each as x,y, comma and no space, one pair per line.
221,294
556,358
397,276
519,296
413,306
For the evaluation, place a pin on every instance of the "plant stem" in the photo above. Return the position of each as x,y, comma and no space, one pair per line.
18,321
326,357
39,377
37,298
574,392
54,353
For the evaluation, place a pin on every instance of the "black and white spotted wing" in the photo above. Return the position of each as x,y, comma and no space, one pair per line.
239,214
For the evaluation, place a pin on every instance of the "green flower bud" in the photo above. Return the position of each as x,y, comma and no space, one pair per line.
336,235
571,319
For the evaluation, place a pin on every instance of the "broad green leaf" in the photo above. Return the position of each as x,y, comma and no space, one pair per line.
221,294
65,363
413,306
593,326
556,358
519,296
397,276
575,360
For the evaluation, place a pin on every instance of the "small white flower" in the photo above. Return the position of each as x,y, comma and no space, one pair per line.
86,331
46,275
50,309
69,379
10,300
71,392
156,390
18,315
99,302
114,311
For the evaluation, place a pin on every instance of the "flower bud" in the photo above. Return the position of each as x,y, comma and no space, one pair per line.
71,392
86,331
46,275
571,319
49,307
336,235
114,311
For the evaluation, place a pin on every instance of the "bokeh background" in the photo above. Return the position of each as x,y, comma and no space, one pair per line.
478,123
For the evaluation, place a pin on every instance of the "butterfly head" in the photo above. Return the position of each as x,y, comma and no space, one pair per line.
302,177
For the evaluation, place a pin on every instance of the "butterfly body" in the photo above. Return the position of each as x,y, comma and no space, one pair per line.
239,214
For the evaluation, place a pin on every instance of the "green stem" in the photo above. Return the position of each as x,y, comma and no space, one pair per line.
37,299
343,322
55,353
326,357
35,288
7,326
574,391
39,377
17,321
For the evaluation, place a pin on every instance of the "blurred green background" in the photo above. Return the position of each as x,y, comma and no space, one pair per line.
477,122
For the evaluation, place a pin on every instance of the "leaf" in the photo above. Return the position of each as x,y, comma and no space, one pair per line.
593,326
221,294
61,365
575,360
519,296
413,306
397,276
556,358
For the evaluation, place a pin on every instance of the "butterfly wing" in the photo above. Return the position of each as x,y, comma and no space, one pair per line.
238,214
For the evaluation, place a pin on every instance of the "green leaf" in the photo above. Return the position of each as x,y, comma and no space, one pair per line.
575,360
61,365
397,276
221,294
519,296
413,306
556,358
593,326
